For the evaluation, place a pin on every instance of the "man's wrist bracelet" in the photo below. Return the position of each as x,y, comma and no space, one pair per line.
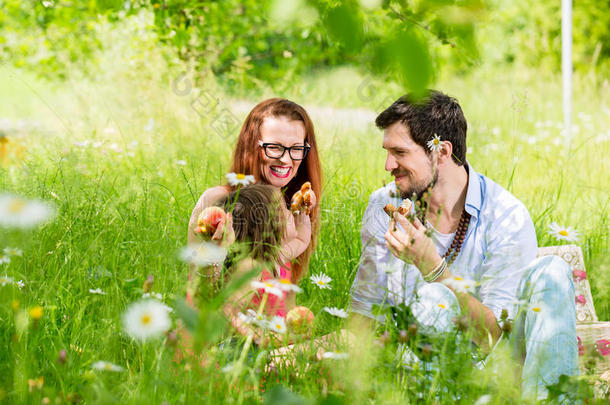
436,271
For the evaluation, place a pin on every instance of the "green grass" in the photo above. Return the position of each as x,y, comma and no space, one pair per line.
121,218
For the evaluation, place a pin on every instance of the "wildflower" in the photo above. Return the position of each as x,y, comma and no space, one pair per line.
236,179
603,346
146,319
13,251
335,355
252,317
181,162
563,233
277,324
321,280
36,312
435,144
35,383
106,366
153,295
579,275
270,287
339,313
96,291
5,259
17,212
536,307
285,285
4,280
20,284
203,254
460,285
62,358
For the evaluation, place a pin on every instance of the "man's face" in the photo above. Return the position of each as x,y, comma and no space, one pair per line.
408,162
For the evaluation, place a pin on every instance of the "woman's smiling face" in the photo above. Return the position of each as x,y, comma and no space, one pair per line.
286,132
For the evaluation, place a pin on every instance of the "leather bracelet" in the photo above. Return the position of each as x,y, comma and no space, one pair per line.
436,271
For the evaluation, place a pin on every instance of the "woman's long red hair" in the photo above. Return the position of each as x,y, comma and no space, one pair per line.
247,159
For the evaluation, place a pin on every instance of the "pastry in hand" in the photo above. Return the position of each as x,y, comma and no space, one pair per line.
403,209
208,221
302,200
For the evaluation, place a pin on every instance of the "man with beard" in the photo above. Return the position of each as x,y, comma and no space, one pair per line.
466,226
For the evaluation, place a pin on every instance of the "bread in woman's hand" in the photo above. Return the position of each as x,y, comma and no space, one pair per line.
302,200
403,209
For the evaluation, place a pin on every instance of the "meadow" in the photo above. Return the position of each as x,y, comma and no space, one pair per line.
123,156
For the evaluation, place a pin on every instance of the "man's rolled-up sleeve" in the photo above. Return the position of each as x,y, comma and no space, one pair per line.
511,247
369,286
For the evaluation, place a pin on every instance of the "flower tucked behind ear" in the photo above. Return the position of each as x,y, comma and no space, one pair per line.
435,144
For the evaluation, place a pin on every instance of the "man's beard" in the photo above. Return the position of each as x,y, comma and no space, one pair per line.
416,192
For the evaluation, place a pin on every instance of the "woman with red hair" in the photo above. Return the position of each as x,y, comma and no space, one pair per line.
277,146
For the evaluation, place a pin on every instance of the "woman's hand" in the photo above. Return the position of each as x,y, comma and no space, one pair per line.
412,244
225,234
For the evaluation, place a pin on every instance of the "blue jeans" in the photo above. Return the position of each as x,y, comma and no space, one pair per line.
542,341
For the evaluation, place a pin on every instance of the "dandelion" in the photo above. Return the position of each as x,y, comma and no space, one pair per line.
277,324
203,254
563,233
269,286
4,280
96,291
236,179
335,355
339,313
285,285
5,259
13,251
106,366
321,280
16,212
146,319
435,144
36,313
460,285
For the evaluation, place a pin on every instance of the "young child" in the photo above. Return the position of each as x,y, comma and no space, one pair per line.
259,224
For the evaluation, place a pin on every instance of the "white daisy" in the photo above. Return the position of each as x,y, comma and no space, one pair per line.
335,355
257,319
339,313
536,307
270,287
321,280
5,259
13,251
285,285
16,212
240,179
153,295
4,280
106,366
203,254
146,319
96,291
20,284
435,144
277,324
563,233
460,285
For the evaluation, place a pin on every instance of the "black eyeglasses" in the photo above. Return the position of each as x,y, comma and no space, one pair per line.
276,150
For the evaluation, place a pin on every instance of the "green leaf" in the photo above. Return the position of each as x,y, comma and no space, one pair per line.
345,26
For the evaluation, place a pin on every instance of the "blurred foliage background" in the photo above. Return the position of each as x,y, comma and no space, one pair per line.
250,44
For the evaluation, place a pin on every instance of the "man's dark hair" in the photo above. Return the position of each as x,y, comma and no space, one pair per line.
434,113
